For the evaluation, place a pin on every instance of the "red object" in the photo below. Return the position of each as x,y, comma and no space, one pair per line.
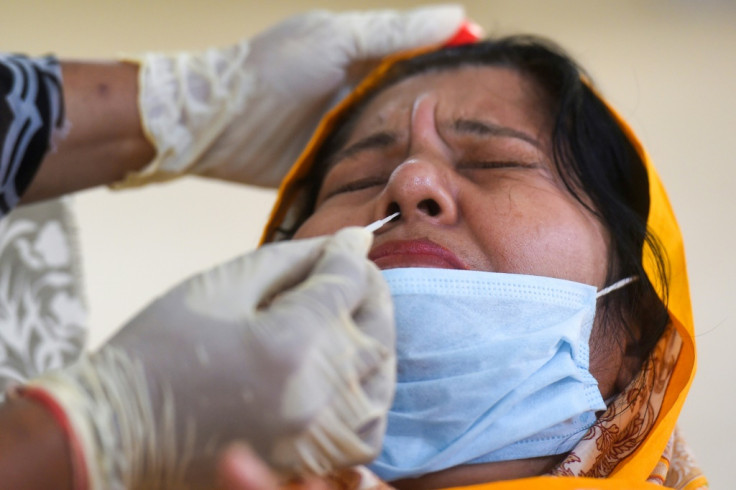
469,32
79,471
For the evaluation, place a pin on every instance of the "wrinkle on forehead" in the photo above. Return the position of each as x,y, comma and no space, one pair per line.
502,89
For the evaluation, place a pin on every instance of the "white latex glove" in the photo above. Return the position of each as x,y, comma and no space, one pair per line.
244,113
290,348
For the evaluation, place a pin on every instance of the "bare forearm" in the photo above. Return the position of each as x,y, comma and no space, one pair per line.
105,138
33,451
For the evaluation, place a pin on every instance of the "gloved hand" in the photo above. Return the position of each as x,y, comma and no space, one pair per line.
244,113
290,348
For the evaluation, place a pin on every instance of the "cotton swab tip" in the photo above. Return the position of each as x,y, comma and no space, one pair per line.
378,224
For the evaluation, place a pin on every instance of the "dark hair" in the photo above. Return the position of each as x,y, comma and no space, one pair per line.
591,152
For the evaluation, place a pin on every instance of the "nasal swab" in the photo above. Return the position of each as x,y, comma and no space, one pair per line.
377,224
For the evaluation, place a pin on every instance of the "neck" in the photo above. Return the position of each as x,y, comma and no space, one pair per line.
480,473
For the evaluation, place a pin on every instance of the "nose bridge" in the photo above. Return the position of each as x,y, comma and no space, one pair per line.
423,134
422,185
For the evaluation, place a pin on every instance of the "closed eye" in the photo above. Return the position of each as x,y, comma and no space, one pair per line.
495,164
357,185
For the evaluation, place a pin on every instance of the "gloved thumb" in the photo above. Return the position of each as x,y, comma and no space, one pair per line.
355,239
380,33
235,289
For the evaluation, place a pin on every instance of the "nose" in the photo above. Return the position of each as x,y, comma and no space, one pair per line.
422,186
420,190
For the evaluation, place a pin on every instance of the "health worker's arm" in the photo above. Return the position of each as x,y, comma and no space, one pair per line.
289,348
241,113
103,139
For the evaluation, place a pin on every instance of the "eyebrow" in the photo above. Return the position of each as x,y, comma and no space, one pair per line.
381,139
384,139
481,128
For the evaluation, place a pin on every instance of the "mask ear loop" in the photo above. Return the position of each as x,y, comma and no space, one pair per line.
616,285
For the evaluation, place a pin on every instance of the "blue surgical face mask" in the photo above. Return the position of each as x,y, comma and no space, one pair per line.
491,367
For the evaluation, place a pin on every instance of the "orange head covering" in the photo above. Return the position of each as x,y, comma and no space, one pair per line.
646,463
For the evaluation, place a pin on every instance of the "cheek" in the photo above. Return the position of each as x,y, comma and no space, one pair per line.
544,234
329,220
577,253
576,248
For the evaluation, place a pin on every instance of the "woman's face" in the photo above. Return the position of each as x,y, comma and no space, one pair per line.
465,155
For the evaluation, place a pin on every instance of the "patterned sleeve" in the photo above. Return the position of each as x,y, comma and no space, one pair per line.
31,111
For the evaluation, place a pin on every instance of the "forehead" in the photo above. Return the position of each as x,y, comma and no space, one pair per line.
494,94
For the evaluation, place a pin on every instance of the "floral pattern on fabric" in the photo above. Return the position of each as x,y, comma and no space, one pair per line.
622,428
42,313
677,468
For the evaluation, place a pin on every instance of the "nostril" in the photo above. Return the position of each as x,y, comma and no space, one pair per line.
429,207
393,208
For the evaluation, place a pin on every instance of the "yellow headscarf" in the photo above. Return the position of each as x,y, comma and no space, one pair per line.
619,448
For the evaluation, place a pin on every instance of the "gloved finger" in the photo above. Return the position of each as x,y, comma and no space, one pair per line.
375,316
336,284
290,263
374,319
355,419
379,33
378,387
236,288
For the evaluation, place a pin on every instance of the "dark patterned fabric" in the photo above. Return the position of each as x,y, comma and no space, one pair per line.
31,109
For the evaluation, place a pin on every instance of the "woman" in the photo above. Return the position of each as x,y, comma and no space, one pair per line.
500,157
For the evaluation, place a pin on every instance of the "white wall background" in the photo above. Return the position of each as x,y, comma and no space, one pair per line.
669,67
